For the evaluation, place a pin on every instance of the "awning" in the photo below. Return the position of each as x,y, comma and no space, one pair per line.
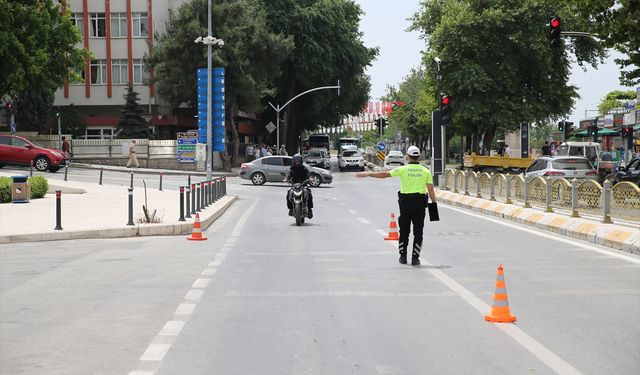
602,132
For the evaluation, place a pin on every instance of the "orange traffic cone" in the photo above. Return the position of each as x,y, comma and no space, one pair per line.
393,230
500,312
196,233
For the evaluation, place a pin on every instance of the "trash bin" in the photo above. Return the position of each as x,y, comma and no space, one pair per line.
20,189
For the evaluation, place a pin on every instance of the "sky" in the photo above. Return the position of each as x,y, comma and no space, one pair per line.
384,25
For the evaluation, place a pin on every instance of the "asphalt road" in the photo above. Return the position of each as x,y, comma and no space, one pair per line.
263,296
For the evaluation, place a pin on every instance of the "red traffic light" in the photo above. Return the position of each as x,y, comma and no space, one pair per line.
555,22
445,100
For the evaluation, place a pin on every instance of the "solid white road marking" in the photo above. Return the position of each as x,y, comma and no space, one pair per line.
353,212
364,221
172,328
381,232
554,362
538,232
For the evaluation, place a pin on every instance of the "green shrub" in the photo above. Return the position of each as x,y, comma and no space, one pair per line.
39,186
5,189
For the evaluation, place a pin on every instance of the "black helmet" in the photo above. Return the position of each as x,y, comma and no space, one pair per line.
297,160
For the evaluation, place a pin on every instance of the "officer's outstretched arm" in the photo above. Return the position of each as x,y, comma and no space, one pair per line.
432,193
383,174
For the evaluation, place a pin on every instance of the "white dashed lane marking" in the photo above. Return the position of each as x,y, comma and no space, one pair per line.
364,221
160,345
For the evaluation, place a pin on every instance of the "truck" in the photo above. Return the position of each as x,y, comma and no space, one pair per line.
496,163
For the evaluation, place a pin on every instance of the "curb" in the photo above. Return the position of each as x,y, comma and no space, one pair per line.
608,235
138,230
149,170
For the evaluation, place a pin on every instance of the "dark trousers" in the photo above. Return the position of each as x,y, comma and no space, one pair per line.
412,211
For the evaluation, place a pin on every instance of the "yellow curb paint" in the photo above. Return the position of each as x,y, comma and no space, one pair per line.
515,213
499,208
485,205
618,235
558,222
586,228
535,217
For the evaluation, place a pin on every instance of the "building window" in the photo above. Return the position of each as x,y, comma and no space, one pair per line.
140,24
119,74
98,72
140,74
118,25
97,25
78,20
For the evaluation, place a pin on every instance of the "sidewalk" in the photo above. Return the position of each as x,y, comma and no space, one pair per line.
215,173
99,211
621,237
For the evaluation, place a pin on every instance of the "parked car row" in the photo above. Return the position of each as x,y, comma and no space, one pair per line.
15,150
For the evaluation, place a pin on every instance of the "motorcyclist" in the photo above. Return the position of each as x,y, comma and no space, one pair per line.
298,173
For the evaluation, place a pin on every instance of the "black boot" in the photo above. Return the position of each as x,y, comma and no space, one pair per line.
310,213
291,212
415,261
403,259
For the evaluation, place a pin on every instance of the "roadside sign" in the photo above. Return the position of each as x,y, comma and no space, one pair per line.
187,147
380,155
380,146
270,127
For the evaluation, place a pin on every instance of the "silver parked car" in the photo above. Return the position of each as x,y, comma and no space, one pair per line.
316,157
395,157
275,169
568,167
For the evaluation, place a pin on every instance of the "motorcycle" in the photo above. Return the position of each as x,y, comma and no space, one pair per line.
299,199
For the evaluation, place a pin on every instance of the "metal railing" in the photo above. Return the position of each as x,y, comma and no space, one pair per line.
621,200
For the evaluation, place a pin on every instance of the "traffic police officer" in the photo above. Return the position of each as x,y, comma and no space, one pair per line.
415,181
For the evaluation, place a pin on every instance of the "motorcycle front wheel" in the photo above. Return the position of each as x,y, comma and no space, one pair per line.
297,212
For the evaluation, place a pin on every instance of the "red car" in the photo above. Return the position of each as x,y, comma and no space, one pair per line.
16,150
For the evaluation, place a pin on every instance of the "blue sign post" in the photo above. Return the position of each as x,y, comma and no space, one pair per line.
380,146
218,108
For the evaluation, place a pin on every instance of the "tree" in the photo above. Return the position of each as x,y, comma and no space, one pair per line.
616,22
615,99
131,124
251,56
37,53
71,122
417,91
327,47
497,65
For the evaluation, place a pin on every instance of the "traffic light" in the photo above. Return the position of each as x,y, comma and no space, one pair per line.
445,110
555,29
381,122
568,129
561,126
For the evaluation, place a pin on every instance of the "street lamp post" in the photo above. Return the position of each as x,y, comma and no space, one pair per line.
209,41
278,108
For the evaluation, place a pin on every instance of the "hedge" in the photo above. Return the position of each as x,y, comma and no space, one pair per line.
39,187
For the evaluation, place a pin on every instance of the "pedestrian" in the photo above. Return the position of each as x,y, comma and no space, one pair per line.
283,151
263,151
546,149
415,181
66,147
507,150
249,152
133,159
256,152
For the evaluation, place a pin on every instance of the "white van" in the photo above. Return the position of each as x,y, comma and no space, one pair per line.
591,151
